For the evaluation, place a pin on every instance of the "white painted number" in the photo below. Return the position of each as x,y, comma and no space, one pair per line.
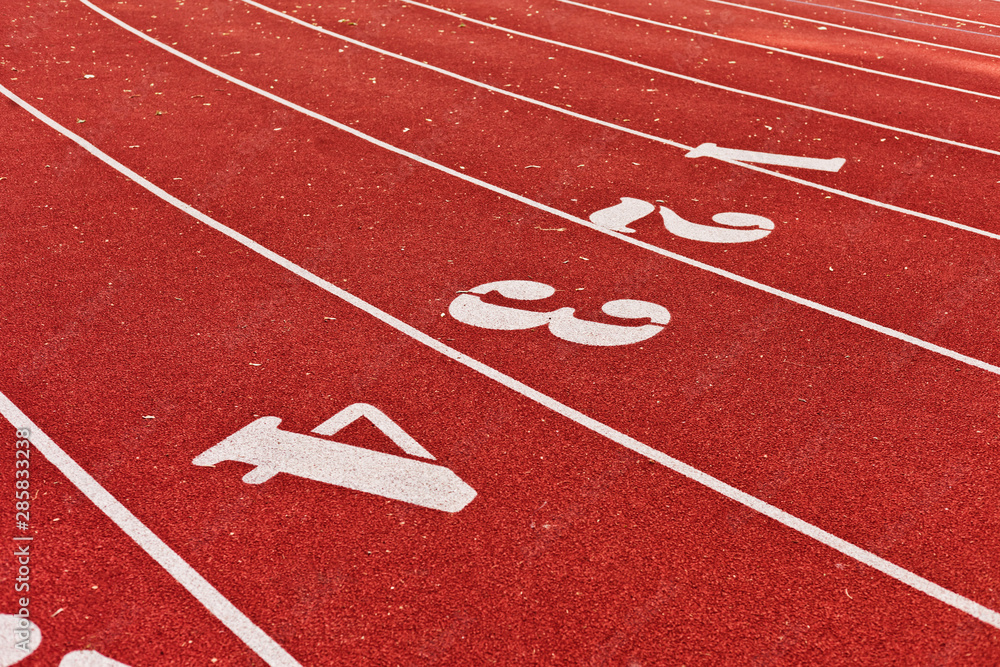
470,309
620,216
737,227
271,450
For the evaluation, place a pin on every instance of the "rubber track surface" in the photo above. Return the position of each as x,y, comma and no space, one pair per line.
137,337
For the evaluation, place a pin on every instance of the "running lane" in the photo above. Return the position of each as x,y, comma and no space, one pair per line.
932,62
979,29
924,175
204,389
458,251
973,17
572,550
892,102
913,275
168,339
89,588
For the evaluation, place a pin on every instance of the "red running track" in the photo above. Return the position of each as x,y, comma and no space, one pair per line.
140,337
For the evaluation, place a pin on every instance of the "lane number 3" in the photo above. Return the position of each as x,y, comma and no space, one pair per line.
470,309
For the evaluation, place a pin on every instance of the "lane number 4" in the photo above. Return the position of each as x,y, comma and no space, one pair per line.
411,479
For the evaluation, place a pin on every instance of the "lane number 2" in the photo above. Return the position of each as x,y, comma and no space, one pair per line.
732,227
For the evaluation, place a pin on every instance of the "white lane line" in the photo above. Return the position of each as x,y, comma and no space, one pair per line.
888,18
765,47
214,601
627,130
691,79
974,609
853,29
981,24
892,333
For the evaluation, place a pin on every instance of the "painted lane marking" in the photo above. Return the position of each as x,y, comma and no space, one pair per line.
620,128
562,323
79,476
740,227
732,154
380,420
895,18
805,56
272,450
703,82
972,361
852,29
215,602
617,218
981,24
814,305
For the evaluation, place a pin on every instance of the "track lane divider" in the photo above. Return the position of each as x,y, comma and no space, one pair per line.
215,602
853,29
703,82
981,24
756,45
948,597
788,296
628,130
895,18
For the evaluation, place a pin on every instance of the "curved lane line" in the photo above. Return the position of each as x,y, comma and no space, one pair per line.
981,24
950,598
215,602
788,296
628,130
756,45
691,79
896,18
853,29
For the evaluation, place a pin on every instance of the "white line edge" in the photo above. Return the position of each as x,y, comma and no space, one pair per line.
952,599
756,45
853,29
957,356
981,24
628,130
710,84
215,602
